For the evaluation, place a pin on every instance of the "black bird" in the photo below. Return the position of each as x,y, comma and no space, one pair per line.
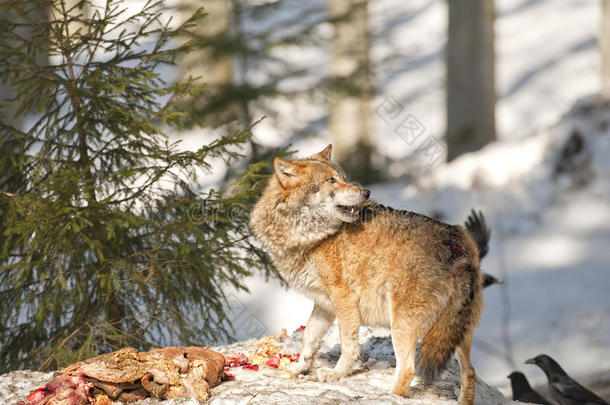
523,392
477,227
563,388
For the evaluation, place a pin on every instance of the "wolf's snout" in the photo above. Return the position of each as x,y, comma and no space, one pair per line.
366,193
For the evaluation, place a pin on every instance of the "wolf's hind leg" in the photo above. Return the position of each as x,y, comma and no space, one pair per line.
467,373
404,340
317,325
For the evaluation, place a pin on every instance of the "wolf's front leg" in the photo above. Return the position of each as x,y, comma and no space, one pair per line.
348,317
317,325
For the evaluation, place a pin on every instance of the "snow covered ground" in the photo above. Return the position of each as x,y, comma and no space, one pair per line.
266,385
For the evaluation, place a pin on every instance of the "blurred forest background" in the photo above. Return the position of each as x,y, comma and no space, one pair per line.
137,135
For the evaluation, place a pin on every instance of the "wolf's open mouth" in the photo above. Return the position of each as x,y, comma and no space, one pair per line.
349,210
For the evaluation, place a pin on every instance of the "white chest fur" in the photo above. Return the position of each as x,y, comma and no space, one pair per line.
303,278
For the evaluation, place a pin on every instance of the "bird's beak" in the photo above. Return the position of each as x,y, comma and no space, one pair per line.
530,361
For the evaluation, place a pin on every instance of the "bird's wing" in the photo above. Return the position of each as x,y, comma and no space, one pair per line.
572,390
477,227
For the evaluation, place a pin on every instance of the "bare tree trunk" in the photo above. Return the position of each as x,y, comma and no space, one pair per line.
9,172
6,89
350,115
605,46
37,15
470,76
215,69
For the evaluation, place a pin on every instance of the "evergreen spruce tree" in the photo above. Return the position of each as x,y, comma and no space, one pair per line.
105,239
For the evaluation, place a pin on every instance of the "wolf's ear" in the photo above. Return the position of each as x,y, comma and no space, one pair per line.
286,172
325,154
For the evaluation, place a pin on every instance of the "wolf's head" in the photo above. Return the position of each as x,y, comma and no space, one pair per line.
318,186
309,197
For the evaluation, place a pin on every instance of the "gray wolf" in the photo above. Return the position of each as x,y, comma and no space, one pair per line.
366,264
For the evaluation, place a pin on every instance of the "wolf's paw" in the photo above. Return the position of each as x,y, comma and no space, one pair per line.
328,374
299,367
399,390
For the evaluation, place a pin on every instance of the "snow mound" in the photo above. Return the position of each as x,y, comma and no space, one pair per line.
572,153
370,383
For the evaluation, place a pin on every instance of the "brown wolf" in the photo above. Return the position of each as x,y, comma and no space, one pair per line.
367,264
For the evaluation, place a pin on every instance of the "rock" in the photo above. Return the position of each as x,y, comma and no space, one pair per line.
369,384
16,385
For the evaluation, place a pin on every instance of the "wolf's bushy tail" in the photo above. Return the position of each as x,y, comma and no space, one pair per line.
458,318
477,228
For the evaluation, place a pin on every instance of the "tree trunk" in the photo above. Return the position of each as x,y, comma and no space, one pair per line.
470,76
9,172
605,47
6,88
215,69
10,179
350,115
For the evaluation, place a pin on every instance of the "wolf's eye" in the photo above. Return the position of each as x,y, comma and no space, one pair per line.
331,180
